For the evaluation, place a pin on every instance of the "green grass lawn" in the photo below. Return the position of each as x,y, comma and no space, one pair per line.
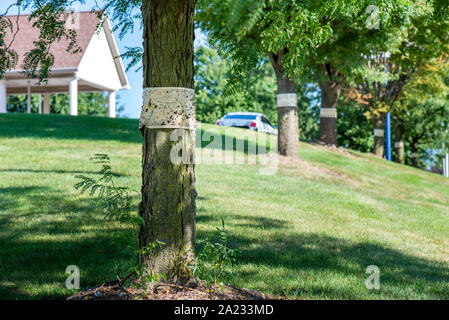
309,231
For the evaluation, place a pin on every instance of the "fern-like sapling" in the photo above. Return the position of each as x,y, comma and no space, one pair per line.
115,201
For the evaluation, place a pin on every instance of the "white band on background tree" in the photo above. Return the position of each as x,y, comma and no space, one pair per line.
287,100
328,113
378,132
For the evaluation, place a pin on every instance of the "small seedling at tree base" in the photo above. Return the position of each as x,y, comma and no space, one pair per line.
214,258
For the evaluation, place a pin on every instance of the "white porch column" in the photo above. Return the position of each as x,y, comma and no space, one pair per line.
112,104
446,165
39,107
3,96
29,98
73,97
46,108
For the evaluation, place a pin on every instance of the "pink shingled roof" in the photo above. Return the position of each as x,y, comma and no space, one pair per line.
23,42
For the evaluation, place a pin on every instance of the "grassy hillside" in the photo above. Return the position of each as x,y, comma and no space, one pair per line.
309,231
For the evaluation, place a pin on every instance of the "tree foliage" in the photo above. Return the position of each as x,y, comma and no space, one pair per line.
355,130
423,110
319,31
386,72
245,30
212,73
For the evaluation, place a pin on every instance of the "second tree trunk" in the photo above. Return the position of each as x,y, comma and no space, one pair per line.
288,136
379,140
288,126
399,144
415,153
330,92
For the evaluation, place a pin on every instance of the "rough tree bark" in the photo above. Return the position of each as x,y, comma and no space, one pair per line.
415,152
379,139
331,83
288,126
168,189
399,144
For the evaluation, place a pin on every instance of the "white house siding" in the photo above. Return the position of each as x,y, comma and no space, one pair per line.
97,64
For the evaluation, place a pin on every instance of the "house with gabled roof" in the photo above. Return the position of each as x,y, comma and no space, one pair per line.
96,67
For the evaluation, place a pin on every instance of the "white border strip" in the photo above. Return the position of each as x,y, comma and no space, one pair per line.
378,132
168,108
287,100
328,113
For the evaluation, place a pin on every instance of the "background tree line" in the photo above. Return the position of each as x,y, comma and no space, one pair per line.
422,109
333,57
367,60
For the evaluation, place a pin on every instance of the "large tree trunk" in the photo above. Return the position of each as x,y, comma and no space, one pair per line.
399,144
379,136
415,153
288,126
331,82
168,188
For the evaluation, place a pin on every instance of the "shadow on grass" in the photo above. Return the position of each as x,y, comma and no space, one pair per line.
42,232
57,171
247,141
243,221
67,127
402,275
258,222
261,223
101,128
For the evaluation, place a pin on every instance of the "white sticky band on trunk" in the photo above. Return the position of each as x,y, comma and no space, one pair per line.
415,155
328,113
287,100
168,107
378,132
399,144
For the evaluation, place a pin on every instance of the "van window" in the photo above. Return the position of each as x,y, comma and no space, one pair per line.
265,120
241,116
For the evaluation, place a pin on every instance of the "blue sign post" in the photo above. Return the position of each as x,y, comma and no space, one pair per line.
388,136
